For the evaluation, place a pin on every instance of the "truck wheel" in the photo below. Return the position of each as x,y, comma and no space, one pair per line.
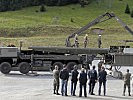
24,67
59,64
70,66
5,67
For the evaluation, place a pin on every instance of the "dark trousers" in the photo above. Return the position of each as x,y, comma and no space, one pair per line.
80,91
64,87
56,86
91,86
128,85
104,87
73,87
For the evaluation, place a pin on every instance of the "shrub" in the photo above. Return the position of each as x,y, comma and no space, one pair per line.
42,8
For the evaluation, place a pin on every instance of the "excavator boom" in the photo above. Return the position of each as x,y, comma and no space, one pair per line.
100,19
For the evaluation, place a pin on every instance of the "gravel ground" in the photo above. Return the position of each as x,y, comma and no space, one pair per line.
22,87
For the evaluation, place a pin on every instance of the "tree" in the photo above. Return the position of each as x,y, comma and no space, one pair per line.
132,13
82,3
127,10
42,8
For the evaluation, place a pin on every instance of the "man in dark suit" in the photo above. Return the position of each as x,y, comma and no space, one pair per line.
74,80
102,80
82,81
92,74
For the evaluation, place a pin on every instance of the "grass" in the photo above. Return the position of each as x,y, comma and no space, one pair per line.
53,26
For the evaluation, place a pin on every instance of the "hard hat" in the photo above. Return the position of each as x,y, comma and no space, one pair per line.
86,34
99,35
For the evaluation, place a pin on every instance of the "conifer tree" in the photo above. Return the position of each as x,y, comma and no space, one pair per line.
42,8
127,10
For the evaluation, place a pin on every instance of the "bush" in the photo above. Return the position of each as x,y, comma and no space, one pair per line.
132,13
127,10
82,3
42,8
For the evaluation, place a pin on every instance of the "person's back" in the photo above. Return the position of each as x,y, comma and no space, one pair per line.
127,77
83,78
92,74
56,74
74,75
102,80
82,81
64,74
56,79
102,76
74,80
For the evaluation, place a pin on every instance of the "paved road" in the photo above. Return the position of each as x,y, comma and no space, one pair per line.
21,87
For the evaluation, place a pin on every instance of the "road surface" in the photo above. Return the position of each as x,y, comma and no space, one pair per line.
22,87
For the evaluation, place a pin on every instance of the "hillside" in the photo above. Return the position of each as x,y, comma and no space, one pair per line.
55,23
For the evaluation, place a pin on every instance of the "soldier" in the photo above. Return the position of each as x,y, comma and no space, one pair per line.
76,44
127,77
85,40
64,75
99,66
99,41
92,74
102,80
56,80
82,82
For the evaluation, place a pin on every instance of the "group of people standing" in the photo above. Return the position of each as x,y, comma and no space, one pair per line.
92,76
86,41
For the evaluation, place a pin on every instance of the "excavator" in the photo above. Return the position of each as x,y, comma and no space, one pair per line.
101,18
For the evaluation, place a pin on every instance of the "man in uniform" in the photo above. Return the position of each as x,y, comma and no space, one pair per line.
99,41
64,75
82,82
102,80
127,77
74,80
92,74
99,66
85,41
76,44
56,80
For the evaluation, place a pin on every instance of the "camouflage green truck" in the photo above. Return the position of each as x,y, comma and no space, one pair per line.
45,58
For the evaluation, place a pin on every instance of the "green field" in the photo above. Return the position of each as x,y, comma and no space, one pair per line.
53,26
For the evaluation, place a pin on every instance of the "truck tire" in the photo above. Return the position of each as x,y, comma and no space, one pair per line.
24,67
70,66
5,67
59,64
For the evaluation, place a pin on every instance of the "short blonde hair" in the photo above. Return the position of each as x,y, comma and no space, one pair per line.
82,70
56,67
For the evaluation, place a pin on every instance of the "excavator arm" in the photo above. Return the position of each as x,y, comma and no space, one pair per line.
100,19
124,25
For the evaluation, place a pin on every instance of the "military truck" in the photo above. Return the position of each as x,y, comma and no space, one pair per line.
45,57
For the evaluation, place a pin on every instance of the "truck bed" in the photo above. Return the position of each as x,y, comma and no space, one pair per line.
70,50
